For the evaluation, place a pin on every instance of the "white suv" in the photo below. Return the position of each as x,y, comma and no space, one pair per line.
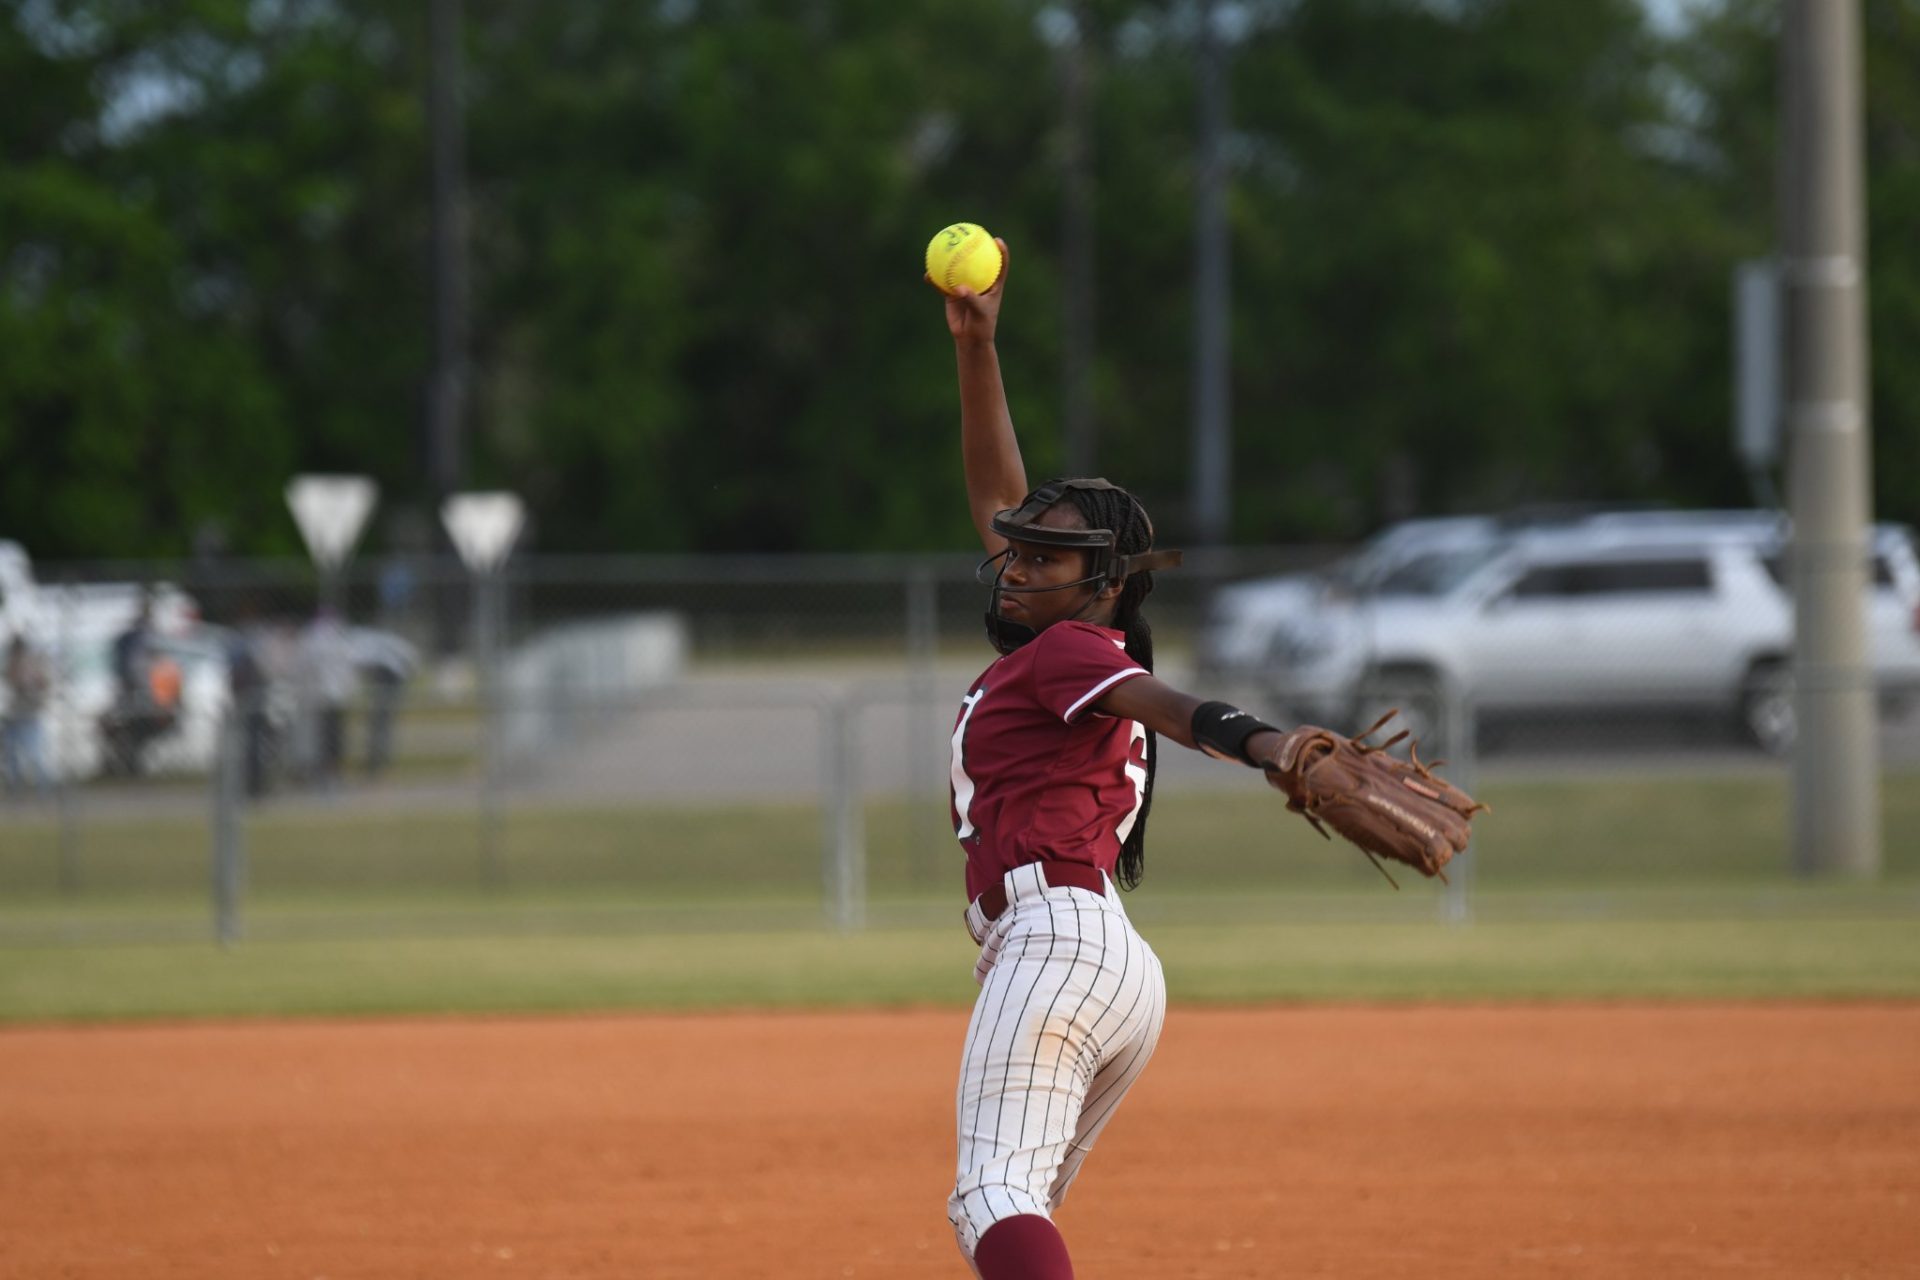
1671,611
1257,626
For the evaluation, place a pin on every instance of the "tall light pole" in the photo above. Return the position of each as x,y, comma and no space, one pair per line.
446,390
447,231
1065,28
1211,495
1836,813
1077,232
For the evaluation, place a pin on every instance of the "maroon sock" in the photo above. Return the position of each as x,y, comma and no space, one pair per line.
1026,1247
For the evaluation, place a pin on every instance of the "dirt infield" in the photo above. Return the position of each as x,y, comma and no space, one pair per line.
1630,1141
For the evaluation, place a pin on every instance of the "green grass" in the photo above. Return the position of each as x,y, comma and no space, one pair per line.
1566,834
1649,888
1239,963
1597,834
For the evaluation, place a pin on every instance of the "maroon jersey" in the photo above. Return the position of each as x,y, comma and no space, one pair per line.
1038,774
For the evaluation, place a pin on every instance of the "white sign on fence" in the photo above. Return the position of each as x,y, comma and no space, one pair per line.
483,527
331,511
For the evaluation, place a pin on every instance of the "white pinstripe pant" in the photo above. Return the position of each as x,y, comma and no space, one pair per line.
1071,1004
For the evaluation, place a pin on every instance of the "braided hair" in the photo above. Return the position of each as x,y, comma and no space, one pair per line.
1120,511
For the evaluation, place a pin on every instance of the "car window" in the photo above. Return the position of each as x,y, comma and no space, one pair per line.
1587,579
1777,570
1545,581
1646,577
1346,575
1435,573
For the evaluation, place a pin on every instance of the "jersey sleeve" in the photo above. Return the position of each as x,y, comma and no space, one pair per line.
1074,664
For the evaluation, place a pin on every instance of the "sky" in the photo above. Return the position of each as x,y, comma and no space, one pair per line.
1672,15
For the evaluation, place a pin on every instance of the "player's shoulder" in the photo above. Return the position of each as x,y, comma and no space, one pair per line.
1080,641
1070,648
1074,631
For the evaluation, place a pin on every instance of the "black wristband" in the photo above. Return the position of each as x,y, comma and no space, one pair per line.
1221,730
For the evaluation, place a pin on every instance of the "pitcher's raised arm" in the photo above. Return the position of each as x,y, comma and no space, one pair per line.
989,450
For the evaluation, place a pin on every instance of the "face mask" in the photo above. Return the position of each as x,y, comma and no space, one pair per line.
1107,566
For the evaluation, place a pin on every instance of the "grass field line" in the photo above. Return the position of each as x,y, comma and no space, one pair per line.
1300,961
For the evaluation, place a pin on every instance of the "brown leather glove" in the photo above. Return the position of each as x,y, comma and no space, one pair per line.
1392,808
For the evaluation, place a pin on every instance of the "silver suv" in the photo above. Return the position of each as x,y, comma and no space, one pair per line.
1256,625
1677,611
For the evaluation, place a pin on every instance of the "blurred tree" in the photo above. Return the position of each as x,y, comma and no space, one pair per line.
211,214
126,388
1892,44
1481,256
704,226
1485,274
1731,69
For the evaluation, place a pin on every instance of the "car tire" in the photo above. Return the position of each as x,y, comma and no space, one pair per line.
1766,707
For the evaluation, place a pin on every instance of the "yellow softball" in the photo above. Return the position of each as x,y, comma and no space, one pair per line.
963,255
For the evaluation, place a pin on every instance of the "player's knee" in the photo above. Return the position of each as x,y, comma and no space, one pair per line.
973,1209
965,1234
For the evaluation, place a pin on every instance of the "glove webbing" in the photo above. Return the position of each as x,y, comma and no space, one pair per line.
1413,755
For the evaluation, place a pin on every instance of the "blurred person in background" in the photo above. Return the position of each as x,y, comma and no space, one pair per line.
327,655
132,649
247,685
387,662
397,588
146,694
21,743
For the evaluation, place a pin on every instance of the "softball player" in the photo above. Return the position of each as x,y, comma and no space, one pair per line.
1053,765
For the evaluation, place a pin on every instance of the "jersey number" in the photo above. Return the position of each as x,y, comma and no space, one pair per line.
962,784
1135,767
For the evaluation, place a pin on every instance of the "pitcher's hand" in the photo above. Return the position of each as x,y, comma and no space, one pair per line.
973,317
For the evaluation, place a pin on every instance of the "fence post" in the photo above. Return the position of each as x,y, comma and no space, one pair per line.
229,853
486,642
925,824
845,853
1457,712
62,750
69,819
483,528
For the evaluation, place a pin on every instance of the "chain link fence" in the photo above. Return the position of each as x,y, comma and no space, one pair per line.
762,742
